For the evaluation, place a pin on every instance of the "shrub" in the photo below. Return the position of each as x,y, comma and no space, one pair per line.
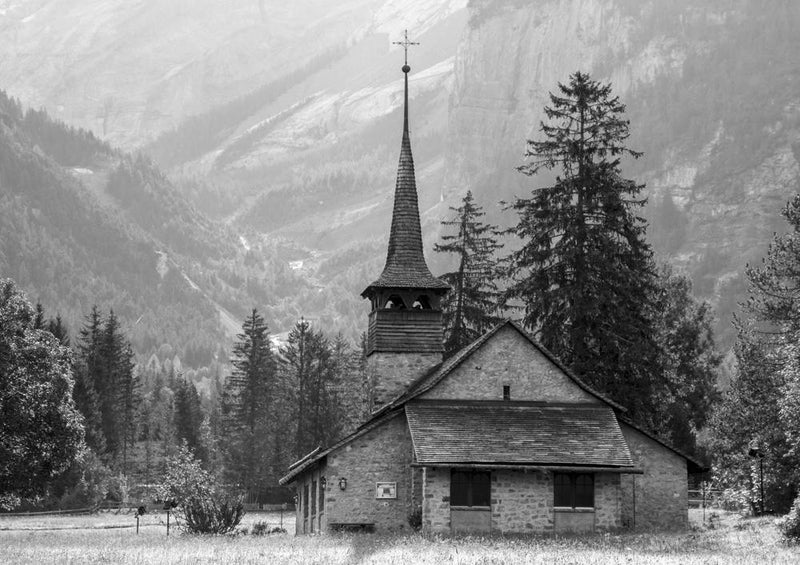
205,507
789,525
260,529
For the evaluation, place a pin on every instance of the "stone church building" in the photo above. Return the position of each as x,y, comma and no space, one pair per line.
500,438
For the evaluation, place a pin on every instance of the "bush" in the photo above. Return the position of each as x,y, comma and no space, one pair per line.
260,529
215,513
205,507
415,519
789,525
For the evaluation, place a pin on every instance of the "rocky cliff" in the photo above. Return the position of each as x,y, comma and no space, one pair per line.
713,100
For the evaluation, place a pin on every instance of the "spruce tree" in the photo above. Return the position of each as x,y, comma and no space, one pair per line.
585,274
471,307
85,392
188,417
248,399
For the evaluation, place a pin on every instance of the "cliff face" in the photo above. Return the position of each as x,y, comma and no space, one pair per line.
712,98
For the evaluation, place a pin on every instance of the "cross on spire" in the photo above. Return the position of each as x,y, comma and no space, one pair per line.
405,43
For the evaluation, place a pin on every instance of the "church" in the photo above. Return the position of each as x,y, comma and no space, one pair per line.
499,438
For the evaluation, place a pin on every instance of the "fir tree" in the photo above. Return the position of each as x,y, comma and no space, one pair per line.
248,400
584,273
85,392
470,307
188,417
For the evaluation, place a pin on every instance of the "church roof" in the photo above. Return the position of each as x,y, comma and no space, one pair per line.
505,433
405,262
434,376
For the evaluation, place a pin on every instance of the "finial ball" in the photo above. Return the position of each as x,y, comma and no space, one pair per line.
406,68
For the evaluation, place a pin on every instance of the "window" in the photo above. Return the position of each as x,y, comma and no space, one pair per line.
313,497
573,491
470,488
395,302
304,501
422,303
506,392
322,496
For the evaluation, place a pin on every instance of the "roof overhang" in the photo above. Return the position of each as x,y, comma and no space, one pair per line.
534,467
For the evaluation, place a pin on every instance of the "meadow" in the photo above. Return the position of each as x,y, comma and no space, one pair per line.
110,538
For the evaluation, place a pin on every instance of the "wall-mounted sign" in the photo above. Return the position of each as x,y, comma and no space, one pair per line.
385,490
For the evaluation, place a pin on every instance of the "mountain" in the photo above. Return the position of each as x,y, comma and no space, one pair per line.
281,122
82,223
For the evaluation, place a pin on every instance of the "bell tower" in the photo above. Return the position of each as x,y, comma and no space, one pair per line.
404,336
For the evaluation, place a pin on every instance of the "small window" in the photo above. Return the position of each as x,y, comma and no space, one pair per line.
506,392
470,488
304,501
573,491
422,303
322,496
313,497
395,302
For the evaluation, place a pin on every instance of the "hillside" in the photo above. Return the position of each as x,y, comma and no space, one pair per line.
284,122
83,224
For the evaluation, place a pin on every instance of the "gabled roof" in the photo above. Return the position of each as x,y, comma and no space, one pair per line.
439,372
405,262
529,433
315,456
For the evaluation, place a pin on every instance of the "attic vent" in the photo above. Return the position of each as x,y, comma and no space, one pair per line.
506,392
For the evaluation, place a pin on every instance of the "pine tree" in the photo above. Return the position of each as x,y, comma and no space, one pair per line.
85,392
248,401
584,273
189,417
128,400
471,306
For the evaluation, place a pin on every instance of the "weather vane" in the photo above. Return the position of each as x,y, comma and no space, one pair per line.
405,43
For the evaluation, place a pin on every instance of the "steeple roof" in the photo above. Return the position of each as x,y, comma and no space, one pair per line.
405,262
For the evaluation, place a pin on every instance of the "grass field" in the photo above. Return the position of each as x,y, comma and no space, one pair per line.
109,538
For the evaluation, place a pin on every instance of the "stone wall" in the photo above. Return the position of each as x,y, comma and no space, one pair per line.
509,359
522,502
390,374
658,499
381,455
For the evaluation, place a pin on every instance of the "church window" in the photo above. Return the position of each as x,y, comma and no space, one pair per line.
422,303
573,490
506,392
395,302
470,488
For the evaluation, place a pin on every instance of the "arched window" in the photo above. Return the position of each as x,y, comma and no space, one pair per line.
395,302
422,303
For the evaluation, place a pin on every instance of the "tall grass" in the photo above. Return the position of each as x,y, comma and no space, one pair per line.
732,540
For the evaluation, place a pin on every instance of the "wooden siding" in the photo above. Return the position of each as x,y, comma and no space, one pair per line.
405,331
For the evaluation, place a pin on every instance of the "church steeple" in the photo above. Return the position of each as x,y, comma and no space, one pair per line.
404,337
405,261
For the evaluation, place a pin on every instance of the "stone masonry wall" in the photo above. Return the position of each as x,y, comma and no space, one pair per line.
509,359
658,499
381,455
436,501
522,502
390,374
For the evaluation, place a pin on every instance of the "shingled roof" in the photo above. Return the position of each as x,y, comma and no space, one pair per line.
405,262
504,433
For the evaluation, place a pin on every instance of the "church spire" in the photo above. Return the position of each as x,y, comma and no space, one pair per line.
405,261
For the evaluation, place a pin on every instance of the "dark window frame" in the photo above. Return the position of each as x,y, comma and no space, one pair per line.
573,490
506,392
470,488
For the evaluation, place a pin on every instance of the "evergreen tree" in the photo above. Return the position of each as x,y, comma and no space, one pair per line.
761,409
471,305
309,370
689,360
248,401
584,273
59,330
189,417
85,392
129,400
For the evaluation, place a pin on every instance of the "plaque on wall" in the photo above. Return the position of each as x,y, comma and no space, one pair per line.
385,490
